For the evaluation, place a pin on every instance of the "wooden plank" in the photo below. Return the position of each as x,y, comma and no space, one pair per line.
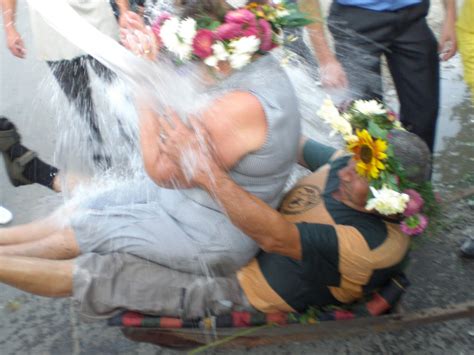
186,338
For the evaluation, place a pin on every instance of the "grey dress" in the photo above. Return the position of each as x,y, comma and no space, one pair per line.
186,229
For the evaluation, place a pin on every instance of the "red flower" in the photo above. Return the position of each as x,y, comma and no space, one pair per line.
414,225
265,35
202,44
415,204
228,31
241,17
251,31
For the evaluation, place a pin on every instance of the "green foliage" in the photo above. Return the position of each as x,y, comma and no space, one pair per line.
295,20
207,22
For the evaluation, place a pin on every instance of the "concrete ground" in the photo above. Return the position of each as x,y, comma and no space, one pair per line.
36,325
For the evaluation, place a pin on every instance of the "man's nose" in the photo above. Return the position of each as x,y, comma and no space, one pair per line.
346,174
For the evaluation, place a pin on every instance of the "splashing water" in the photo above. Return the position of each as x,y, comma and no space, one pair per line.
183,89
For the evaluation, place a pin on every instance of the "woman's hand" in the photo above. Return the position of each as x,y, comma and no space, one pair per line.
137,37
14,41
190,149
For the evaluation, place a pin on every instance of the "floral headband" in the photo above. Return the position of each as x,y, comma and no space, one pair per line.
242,33
365,126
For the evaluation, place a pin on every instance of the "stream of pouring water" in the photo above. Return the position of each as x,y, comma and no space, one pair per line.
181,89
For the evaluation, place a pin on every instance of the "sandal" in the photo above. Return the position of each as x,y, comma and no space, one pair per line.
15,167
5,215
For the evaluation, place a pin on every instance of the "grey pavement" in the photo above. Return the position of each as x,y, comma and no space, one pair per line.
36,325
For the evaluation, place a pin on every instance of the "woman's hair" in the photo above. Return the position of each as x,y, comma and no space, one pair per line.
215,9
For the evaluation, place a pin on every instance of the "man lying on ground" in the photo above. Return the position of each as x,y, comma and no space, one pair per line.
324,246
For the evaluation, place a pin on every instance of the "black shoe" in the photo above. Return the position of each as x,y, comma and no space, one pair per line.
467,248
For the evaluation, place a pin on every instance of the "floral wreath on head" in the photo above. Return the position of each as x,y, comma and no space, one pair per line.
366,126
242,33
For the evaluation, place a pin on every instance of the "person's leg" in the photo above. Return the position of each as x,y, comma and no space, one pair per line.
360,39
104,284
50,278
466,49
59,245
25,167
414,65
30,231
101,70
73,78
108,77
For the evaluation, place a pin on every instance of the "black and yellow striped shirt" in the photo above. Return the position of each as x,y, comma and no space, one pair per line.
346,253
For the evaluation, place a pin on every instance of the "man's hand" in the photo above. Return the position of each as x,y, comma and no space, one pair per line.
137,37
333,75
14,41
190,149
447,41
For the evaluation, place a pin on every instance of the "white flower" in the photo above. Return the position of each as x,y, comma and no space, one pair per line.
236,3
211,61
219,51
240,60
282,13
398,125
351,138
169,30
328,111
369,107
339,124
178,36
187,30
387,201
245,45
183,51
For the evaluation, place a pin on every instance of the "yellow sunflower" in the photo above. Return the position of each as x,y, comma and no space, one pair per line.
369,154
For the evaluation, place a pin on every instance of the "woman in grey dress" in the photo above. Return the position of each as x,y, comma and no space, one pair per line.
254,128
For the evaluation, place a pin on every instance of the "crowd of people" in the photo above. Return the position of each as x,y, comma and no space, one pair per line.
207,231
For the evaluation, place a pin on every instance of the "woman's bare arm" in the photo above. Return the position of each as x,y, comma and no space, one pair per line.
255,218
236,126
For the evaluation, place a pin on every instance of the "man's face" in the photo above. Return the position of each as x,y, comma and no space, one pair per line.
353,188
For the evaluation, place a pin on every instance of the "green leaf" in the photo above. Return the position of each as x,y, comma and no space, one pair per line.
375,130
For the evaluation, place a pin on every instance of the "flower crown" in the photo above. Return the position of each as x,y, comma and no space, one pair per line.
243,32
365,126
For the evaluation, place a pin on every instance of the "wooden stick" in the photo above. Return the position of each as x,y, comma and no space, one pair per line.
182,338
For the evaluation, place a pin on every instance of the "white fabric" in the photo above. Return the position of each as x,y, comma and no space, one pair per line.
5,215
51,46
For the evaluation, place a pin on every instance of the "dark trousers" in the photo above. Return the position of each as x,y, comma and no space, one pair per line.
361,38
73,78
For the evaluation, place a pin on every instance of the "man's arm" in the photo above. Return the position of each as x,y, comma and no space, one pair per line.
313,155
332,73
250,214
123,8
14,41
447,40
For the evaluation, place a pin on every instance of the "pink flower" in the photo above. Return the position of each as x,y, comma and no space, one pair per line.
251,31
392,116
156,30
265,35
202,44
415,204
414,225
156,26
228,31
241,17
